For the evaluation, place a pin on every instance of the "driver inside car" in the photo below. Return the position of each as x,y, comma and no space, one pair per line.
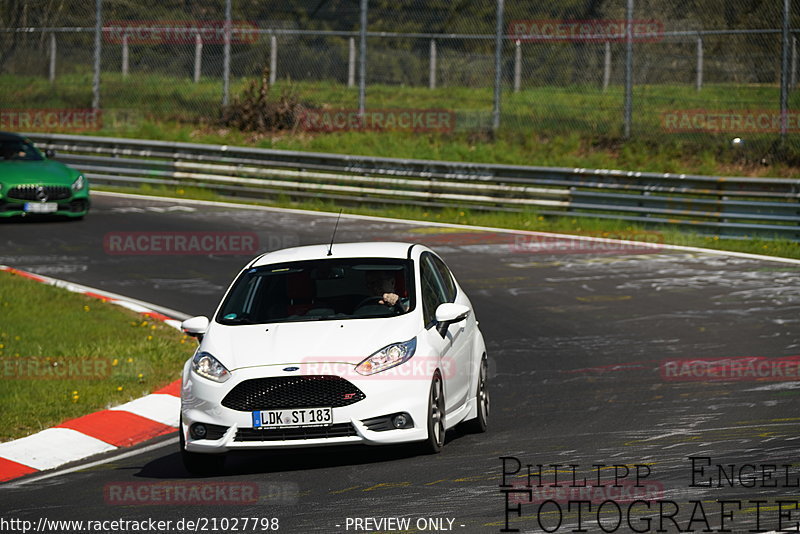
382,284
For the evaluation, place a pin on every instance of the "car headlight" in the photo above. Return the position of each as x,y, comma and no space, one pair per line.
207,366
388,357
79,183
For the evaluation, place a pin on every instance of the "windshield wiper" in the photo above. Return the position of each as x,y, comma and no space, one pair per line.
239,321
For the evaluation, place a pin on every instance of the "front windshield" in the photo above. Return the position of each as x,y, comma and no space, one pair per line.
320,290
13,150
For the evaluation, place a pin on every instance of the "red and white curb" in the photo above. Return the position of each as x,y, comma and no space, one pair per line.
126,425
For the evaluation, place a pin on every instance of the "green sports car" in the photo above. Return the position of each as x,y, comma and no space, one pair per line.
32,183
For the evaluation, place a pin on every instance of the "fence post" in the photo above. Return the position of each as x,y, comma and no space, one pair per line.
226,58
273,59
606,65
498,57
517,65
793,80
785,70
98,45
198,57
351,63
124,56
52,71
362,61
628,70
432,66
699,82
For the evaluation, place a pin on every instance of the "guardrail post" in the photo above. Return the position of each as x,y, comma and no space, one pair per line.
721,206
198,57
273,59
432,66
606,65
351,63
699,81
125,56
52,70
517,66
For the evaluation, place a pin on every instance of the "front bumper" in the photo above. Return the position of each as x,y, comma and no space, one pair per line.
76,205
201,402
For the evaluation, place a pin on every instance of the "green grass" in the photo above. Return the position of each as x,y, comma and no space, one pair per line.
530,220
571,126
109,355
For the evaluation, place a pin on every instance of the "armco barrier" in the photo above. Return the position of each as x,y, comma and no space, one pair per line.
730,206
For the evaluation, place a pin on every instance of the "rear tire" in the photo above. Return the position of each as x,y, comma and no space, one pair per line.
436,426
197,463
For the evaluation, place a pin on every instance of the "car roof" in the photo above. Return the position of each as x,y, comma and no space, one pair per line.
8,136
377,249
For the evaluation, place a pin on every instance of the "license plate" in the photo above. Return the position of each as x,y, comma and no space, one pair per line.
41,207
299,417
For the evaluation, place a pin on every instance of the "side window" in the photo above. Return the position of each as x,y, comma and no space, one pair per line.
448,285
432,294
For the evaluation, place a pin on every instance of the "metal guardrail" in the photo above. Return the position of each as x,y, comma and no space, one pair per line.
729,206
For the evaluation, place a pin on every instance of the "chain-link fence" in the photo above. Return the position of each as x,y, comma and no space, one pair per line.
608,68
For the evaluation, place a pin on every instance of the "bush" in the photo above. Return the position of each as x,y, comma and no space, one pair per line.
256,111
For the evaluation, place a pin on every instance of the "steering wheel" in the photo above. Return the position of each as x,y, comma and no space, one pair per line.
370,300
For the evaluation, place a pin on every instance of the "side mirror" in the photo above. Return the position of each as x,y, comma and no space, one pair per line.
195,327
449,313
50,153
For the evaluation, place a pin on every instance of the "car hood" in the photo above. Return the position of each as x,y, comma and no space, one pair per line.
36,172
345,341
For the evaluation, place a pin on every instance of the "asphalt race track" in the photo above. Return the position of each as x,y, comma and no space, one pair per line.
580,341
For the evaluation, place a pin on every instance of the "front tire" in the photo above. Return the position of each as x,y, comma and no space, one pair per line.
479,424
197,463
436,426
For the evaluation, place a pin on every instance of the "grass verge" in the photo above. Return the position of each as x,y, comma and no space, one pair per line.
529,220
63,355
570,125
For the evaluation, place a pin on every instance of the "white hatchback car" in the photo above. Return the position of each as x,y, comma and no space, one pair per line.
372,343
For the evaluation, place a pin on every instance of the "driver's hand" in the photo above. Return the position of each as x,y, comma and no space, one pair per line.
390,299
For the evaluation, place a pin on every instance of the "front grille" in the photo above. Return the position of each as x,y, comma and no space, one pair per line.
281,392
337,430
40,192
